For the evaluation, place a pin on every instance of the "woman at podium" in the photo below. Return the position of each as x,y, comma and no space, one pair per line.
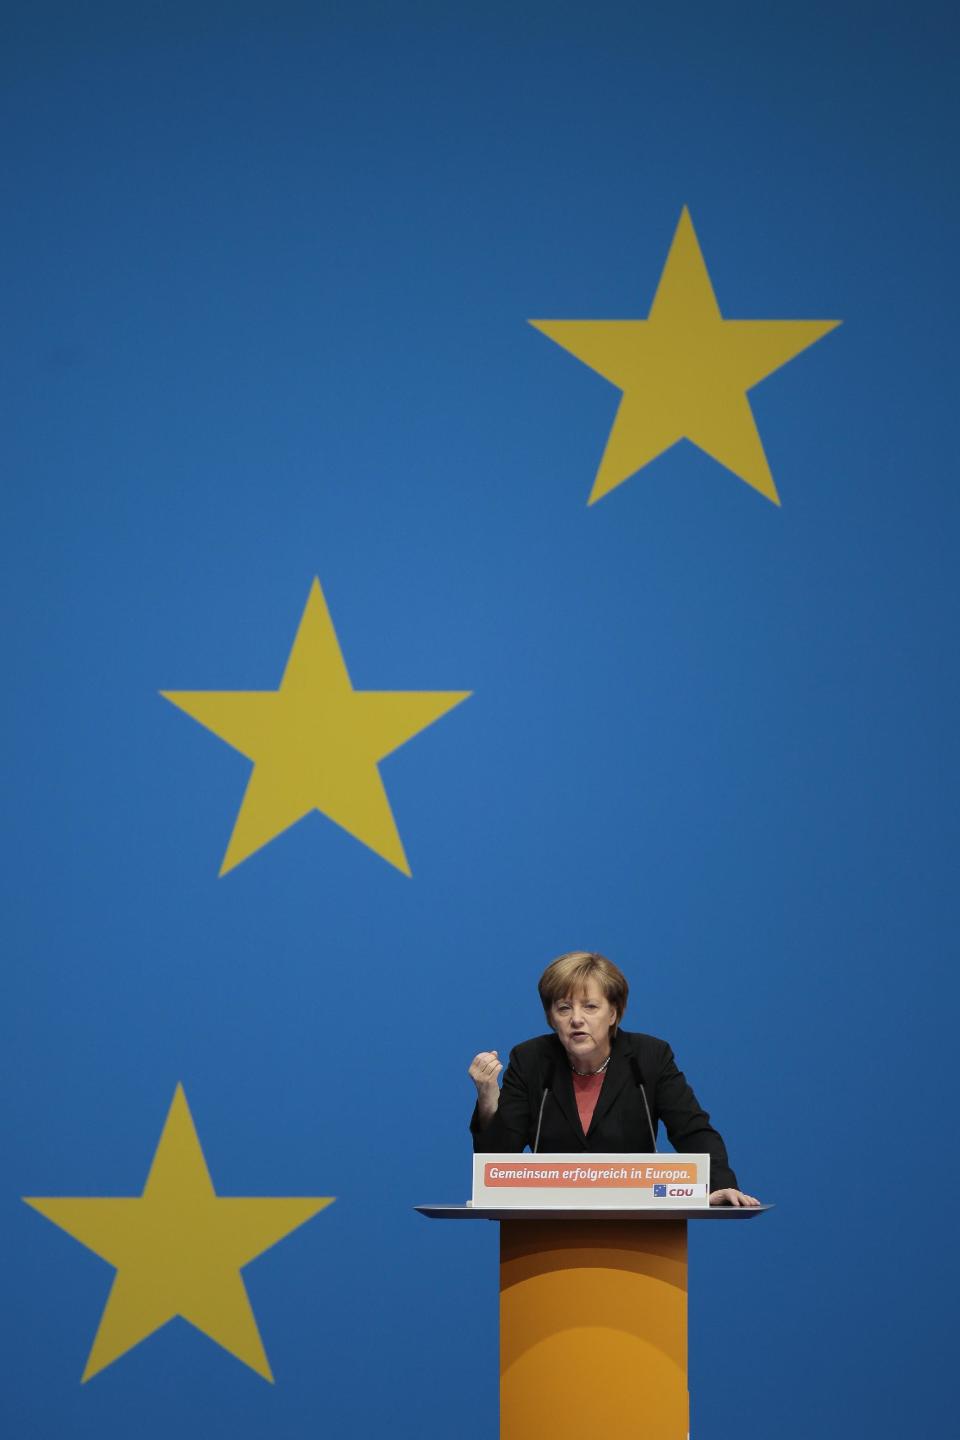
590,1085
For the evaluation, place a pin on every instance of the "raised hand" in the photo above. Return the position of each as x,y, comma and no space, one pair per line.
483,1071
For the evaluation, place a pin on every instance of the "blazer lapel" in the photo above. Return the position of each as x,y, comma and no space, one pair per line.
617,1076
561,1090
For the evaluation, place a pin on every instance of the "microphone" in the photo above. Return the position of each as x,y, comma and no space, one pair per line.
638,1078
548,1081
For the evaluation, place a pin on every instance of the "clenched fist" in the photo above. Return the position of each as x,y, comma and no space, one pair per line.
483,1071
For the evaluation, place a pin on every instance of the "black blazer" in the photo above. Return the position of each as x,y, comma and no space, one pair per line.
619,1122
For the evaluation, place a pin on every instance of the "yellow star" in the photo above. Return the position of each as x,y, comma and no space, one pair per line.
684,371
315,742
178,1249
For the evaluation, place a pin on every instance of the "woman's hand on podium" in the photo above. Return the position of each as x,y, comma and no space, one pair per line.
732,1197
483,1071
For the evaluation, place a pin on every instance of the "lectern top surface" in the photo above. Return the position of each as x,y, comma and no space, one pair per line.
704,1212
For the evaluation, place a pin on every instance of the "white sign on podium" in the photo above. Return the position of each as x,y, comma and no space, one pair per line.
591,1182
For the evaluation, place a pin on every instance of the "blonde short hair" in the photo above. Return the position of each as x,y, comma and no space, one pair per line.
571,972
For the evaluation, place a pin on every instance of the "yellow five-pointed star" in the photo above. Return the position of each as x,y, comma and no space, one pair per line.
315,742
178,1249
684,371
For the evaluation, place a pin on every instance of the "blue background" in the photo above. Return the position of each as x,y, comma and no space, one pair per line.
267,271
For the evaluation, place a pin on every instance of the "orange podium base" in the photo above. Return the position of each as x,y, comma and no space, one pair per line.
593,1318
593,1329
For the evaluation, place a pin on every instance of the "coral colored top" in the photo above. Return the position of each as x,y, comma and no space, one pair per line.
587,1090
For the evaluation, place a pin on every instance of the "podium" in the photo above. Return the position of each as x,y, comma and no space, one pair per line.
593,1318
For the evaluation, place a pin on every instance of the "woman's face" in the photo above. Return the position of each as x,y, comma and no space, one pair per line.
582,1022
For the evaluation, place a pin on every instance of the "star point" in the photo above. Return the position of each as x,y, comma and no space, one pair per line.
315,743
684,372
178,1249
